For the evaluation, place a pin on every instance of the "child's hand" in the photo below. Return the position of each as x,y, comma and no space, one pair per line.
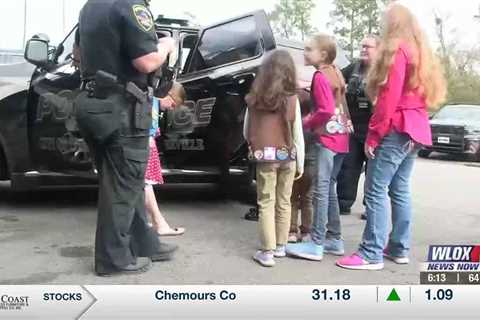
321,130
165,104
350,128
306,119
369,152
298,175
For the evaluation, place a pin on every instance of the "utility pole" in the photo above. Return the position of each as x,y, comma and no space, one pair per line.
63,16
24,23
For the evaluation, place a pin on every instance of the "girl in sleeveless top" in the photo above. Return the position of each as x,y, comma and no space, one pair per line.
153,173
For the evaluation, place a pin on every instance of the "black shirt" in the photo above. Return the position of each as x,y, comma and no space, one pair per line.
358,103
113,33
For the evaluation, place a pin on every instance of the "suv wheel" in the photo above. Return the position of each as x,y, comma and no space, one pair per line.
424,153
3,166
474,157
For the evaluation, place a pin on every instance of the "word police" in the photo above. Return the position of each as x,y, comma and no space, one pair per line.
62,297
164,295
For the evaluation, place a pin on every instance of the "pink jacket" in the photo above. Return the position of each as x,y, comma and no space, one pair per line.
398,107
324,109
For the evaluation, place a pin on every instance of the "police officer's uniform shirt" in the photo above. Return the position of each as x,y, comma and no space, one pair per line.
358,103
114,33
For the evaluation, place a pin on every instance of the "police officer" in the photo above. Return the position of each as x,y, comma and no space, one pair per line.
360,111
119,48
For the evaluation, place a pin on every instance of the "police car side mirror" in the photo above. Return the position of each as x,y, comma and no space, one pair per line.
36,52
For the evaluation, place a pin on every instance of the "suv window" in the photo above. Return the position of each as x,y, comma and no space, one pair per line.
463,113
188,45
304,73
227,43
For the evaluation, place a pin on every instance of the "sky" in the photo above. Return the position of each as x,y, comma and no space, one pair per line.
47,16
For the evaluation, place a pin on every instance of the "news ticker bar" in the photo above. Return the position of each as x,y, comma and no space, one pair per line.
239,302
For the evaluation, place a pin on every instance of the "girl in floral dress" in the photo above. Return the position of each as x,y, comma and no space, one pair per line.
153,173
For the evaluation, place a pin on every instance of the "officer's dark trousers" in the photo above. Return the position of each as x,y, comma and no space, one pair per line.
122,227
347,181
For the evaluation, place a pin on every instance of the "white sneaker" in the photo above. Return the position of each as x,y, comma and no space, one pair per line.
280,252
264,258
397,260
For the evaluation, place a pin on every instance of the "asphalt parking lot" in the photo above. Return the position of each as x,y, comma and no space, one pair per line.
46,237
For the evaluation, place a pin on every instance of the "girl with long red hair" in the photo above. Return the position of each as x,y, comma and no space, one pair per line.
405,79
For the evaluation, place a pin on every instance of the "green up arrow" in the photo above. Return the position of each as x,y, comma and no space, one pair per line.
394,297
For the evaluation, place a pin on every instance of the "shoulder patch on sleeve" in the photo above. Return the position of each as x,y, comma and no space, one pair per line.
143,16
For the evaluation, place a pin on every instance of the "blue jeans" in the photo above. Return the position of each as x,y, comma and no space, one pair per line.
326,216
391,169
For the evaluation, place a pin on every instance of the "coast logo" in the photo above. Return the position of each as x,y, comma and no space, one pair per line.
8,302
451,253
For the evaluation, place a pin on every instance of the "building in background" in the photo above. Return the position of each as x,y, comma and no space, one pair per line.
21,19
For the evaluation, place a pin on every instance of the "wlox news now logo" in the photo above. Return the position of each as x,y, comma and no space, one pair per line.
454,258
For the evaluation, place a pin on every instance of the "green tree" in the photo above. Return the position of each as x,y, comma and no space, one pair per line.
292,18
461,65
353,19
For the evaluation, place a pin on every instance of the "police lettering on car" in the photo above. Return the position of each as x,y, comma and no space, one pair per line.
119,48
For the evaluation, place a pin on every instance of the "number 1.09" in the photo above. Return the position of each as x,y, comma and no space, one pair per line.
439,295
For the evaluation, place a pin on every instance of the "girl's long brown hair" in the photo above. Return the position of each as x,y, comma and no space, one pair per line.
274,84
426,73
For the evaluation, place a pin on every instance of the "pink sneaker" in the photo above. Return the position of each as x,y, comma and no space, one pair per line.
355,262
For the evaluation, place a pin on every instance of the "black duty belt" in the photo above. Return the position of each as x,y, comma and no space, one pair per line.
130,90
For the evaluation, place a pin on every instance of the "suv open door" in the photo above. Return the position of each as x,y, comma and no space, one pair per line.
204,136
55,143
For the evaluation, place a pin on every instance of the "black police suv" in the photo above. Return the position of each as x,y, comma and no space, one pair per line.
456,130
201,141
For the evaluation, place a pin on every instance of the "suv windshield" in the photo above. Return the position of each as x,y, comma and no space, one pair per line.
459,113
67,44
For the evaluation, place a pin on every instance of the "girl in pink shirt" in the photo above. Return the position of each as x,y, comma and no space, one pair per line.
329,123
404,80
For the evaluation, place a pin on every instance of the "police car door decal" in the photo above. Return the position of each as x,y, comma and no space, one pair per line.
184,120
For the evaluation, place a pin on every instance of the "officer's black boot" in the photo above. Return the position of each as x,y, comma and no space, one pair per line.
140,266
165,252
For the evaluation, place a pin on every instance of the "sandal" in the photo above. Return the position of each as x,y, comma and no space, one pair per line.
172,232
292,237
